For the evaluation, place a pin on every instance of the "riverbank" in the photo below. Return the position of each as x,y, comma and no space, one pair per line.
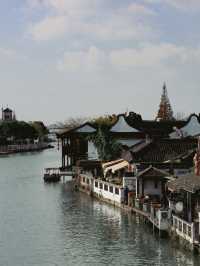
20,148
125,207
159,220
57,226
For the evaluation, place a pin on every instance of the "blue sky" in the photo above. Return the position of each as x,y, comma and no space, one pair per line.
72,58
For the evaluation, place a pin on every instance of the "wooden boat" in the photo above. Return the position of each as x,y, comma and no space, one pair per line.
52,175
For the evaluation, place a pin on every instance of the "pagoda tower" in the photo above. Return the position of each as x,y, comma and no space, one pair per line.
165,110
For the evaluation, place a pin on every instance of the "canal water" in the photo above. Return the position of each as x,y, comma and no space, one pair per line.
50,225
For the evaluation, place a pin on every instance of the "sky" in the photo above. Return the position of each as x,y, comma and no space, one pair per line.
84,58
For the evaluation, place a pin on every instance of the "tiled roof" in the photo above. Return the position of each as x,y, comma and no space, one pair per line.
7,110
157,128
154,172
165,150
190,183
82,129
136,125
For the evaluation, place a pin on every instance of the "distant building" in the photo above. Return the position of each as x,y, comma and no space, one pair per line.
165,110
8,114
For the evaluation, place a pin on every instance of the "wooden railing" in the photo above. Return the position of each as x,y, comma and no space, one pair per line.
183,228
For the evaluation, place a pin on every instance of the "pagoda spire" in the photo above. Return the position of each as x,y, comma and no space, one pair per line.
165,110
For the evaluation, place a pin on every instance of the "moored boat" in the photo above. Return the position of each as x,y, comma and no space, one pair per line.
51,175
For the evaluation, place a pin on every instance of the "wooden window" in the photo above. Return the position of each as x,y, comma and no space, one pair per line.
83,179
117,191
111,189
189,231
96,184
100,185
175,223
184,228
105,187
180,226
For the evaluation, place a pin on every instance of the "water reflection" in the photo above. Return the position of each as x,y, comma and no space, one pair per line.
104,235
48,225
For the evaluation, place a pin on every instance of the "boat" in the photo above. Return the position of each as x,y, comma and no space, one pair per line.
52,175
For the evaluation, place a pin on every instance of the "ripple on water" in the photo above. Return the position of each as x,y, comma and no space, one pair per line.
50,225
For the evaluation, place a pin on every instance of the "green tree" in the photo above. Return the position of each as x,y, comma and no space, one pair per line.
40,128
104,121
17,130
107,147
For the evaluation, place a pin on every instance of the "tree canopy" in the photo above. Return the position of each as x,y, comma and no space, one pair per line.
107,147
20,130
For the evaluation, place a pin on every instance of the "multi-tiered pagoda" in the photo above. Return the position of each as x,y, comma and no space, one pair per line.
165,110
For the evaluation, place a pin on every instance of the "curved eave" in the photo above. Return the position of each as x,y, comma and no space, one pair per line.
134,129
75,131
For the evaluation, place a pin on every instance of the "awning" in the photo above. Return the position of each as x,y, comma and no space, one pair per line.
104,165
116,167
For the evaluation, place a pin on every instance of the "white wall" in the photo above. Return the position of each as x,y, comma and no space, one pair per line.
130,182
86,129
149,188
107,194
92,151
192,128
122,126
101,192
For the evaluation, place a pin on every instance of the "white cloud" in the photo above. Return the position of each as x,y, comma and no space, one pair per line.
147,56
184,5
117,28
151,56
80,18
7,52
92,59
49,28
139,9
70,7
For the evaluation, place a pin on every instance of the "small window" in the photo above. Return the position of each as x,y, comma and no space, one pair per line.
88,181
184,228
111,189
83,179
189,231
105,187
100,185
96,184
156,184
117,191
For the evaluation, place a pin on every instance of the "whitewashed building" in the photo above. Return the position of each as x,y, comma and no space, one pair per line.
191,129
126,134
107,181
